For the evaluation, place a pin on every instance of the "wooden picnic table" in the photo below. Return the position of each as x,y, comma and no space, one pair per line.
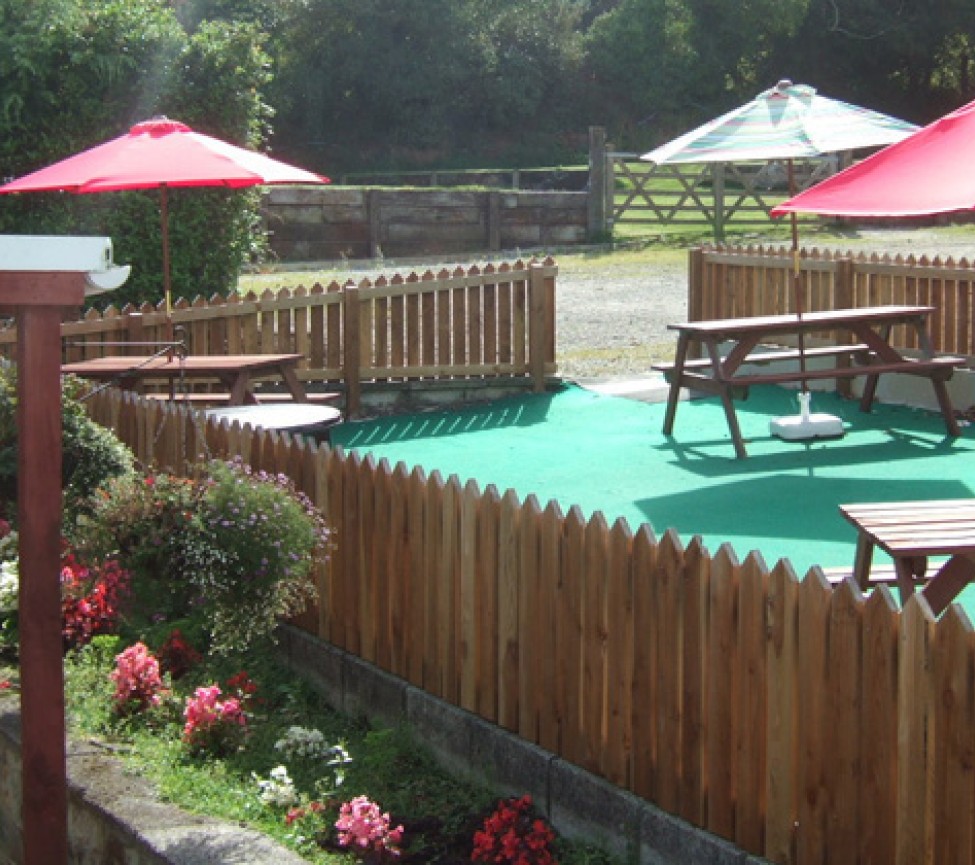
910,532
866,352
237,372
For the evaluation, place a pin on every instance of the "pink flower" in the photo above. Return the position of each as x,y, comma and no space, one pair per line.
361,824
211,723
137,680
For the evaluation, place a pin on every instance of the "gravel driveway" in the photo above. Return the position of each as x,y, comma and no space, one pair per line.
611,318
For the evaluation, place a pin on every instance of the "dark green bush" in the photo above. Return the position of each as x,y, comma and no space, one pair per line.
90,453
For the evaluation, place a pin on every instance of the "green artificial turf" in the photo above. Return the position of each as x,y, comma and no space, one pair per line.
608,454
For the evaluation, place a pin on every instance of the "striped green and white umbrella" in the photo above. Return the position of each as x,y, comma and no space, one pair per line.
788,121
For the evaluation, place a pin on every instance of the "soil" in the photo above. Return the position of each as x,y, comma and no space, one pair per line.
611,319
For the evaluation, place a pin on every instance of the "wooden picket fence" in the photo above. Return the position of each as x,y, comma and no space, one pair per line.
462,324
803,722
732,282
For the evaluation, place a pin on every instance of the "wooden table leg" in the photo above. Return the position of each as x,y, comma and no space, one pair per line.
240,392
862,562
947,409
732,417
945,585
910,571
295,387
673,396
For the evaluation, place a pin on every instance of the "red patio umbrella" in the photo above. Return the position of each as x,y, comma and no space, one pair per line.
928,172
160,153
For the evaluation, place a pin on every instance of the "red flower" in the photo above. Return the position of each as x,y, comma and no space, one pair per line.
177,657
90,599
510,836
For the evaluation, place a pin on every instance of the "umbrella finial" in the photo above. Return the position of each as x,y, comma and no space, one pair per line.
158,125
784,84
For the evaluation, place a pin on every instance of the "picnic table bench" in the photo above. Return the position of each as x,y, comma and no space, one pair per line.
869,354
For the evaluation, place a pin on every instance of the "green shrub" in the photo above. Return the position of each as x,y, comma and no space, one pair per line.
90,453
229,552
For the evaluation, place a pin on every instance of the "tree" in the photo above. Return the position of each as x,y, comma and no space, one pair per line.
365,82
77,72
907,59
663,66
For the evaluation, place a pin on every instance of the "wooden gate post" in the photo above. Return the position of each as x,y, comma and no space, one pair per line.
598,179
38,298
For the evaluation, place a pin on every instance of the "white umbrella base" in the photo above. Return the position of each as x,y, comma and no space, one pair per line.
806,425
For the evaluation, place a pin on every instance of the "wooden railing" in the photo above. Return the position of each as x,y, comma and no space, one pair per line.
802,722
474,323
744,281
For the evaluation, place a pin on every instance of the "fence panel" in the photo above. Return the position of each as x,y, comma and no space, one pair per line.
460,324
731,282
804,723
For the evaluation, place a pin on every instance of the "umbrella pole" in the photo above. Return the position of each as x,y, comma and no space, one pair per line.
804,425
797,277
167,288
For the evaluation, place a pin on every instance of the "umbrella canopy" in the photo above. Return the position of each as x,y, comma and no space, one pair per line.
927,173
788,121
160,153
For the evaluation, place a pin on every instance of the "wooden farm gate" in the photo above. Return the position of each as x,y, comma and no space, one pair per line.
714,194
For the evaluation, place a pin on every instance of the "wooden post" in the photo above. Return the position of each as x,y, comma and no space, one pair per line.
494,221
717,174
351,350
536,326
135,331
843,299
598,178
38,299
375,223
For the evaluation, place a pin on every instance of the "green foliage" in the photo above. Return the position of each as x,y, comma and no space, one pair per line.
78,72
90,454
228,553
88,689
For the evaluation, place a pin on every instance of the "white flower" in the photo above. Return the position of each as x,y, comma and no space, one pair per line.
303,743
278,790
9,585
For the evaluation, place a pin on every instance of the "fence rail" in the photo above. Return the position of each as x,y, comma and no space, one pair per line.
802,722
732,282
461,325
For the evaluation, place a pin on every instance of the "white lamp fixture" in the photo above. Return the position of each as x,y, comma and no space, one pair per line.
89,255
